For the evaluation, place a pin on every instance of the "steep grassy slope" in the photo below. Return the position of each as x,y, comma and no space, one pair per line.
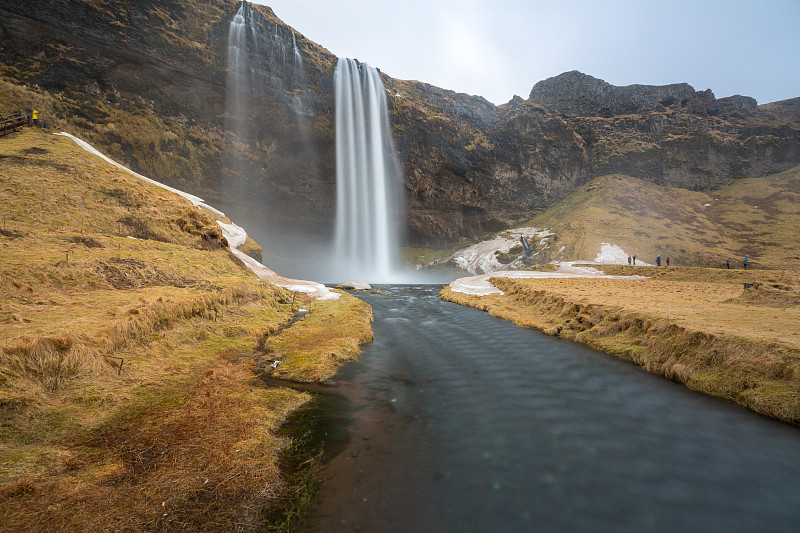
129,342
753,217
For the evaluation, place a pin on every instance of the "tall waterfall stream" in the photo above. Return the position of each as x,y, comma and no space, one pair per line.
367,176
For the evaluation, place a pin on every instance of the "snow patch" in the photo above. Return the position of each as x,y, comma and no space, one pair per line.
316,290
480,286
611,254
481,257
235,235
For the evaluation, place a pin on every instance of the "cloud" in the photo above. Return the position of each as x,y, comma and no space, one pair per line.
495,49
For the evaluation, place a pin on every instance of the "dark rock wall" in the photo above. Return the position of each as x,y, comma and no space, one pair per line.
473,171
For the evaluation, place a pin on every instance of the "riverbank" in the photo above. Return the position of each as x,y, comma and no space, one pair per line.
697,326
132,345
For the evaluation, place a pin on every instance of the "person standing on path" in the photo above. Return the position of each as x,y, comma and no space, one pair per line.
745,262
667,260
728,263
525,246
634,260
629,260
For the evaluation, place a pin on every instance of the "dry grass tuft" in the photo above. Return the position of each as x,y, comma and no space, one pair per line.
769,294
205,461
48,363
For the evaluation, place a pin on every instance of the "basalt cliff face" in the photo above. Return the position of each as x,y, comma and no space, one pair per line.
146,82
472,166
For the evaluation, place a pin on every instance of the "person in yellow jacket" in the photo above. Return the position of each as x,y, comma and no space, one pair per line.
35,117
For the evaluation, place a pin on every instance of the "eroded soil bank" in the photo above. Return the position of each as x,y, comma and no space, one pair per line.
698,326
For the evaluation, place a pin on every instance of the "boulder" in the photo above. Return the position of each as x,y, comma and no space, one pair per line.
355,285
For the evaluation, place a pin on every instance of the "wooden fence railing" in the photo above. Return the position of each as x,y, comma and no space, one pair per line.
12,122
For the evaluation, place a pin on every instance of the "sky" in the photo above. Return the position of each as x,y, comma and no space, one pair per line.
499,48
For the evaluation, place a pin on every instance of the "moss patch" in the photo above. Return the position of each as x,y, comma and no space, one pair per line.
315,347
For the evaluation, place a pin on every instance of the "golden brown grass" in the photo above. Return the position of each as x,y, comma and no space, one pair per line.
314,348
197,458
713,335
129,392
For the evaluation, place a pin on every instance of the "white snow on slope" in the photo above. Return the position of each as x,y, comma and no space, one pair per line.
611,254
235,235
480,286
318,291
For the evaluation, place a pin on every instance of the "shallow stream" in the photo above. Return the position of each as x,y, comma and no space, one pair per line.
463,422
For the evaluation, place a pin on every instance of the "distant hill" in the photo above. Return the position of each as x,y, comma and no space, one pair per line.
755,217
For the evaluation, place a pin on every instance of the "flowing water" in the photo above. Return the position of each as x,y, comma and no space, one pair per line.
367,176
241,41
463,422
238,71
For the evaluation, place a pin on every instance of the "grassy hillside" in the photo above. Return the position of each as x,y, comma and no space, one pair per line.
752,217
130,339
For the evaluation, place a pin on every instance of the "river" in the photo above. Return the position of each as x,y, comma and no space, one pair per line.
466,423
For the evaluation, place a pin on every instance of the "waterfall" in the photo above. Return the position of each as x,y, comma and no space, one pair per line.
238,99
298,59
237,94
368,177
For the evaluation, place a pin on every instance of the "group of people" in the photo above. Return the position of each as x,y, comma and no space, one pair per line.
728,262
32,115
632,260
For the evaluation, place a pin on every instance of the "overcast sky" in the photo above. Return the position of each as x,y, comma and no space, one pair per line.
498,48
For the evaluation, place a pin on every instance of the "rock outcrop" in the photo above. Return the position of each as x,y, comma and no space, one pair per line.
577,94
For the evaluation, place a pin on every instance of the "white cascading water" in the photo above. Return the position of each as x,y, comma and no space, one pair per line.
238,78
298,59
368,176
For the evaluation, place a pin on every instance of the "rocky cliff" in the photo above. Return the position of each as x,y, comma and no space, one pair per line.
147,82
472,167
